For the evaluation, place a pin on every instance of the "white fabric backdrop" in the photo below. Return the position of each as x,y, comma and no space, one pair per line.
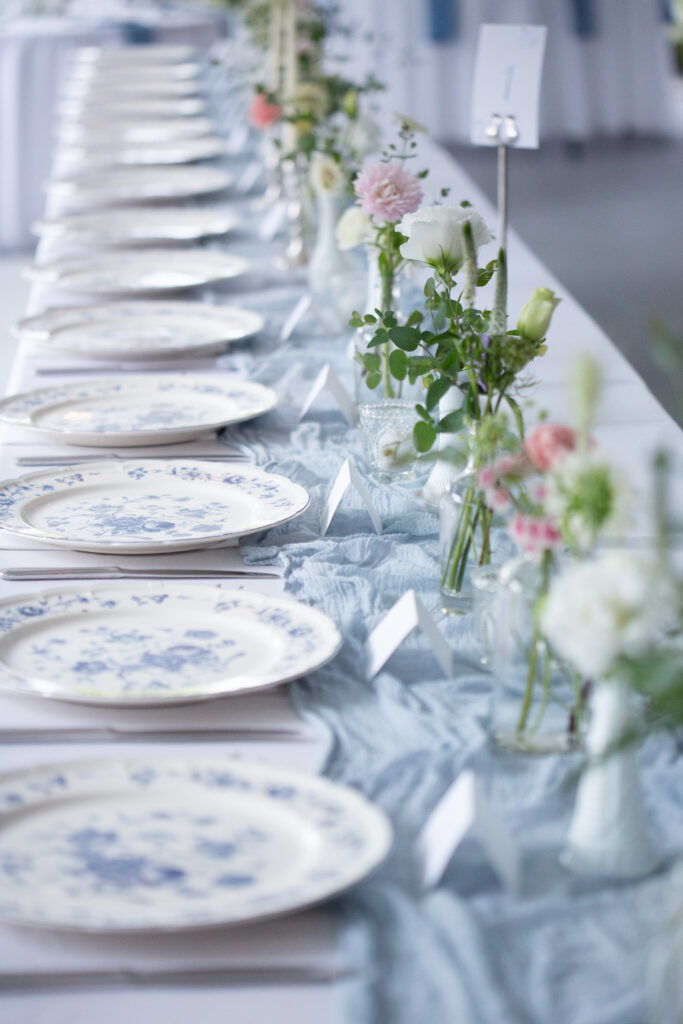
613,82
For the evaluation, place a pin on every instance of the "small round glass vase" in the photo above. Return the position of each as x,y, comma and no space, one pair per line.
469,543
538,703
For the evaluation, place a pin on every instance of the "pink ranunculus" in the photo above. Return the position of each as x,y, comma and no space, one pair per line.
499,499
387,192
486,478
262,113
548,444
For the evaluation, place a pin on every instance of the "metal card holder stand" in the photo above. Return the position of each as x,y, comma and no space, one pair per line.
504,130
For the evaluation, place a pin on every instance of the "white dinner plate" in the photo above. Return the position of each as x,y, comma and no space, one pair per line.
140,410
154,645
135,56
124,133
140,271
122,87
126,226
155,843
131,507
140,184
97,73
140,330
132,110
179,151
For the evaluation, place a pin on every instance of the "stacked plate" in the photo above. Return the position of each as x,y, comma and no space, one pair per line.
131,226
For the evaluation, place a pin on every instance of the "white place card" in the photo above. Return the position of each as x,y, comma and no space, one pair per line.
407,614
327,378
465,809
295,317
507,81
274,221
349,476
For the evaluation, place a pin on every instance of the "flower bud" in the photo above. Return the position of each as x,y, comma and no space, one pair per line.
534,320
350,103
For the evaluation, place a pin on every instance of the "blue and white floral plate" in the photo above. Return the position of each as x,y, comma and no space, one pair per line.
161,844
143,329
139,184
140,271
119,108
141,410
142,508
111,133
150,644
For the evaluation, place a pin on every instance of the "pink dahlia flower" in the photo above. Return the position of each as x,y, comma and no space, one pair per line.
387,192
548,444
262,113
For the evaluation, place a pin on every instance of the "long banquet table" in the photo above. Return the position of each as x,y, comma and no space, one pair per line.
564,950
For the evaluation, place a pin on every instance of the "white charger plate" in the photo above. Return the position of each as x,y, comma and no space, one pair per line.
155,843
139,184
127,226
181,151
140,330
131,507
121,109
154,645
141,410
125,133
140,271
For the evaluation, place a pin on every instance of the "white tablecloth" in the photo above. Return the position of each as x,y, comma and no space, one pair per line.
615,81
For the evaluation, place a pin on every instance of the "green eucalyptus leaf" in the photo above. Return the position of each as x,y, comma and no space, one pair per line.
437,390
422,412
517,413
373,380
424,436
407,338
371,362
398,364
416,317
452,423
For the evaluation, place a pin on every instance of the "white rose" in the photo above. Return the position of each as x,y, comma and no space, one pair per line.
353,228
327,176
435,235
613,605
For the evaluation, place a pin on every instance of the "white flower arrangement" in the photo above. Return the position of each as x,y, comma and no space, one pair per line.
327,175
354,228
435,235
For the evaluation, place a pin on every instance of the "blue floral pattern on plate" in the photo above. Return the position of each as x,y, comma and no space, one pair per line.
137,410
135,507
151,844
153,644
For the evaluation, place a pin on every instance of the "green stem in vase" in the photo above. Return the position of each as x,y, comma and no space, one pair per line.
387,300
530,679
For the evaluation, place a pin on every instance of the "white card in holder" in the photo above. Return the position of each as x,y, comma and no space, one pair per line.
407,614
274,221
347,477
298,313
466,809
507,82
328,379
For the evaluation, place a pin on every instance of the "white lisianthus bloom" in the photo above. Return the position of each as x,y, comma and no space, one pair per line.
589,499
435,235
613,605
327,175
353,229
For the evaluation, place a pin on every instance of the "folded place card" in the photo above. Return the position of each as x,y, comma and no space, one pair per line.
349,476
407,614
507,84
274,221
327,378
465,809
298,313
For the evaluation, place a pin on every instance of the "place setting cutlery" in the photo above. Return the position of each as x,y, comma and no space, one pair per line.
118,572
26,461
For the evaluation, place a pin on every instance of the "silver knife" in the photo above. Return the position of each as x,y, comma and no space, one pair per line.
258,974
116,572
77,460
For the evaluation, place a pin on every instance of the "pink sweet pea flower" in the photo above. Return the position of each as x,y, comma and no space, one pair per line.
387,192
535,535
547,445
262,113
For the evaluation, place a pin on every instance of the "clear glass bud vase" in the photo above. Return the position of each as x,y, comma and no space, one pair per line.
538,703
386,406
